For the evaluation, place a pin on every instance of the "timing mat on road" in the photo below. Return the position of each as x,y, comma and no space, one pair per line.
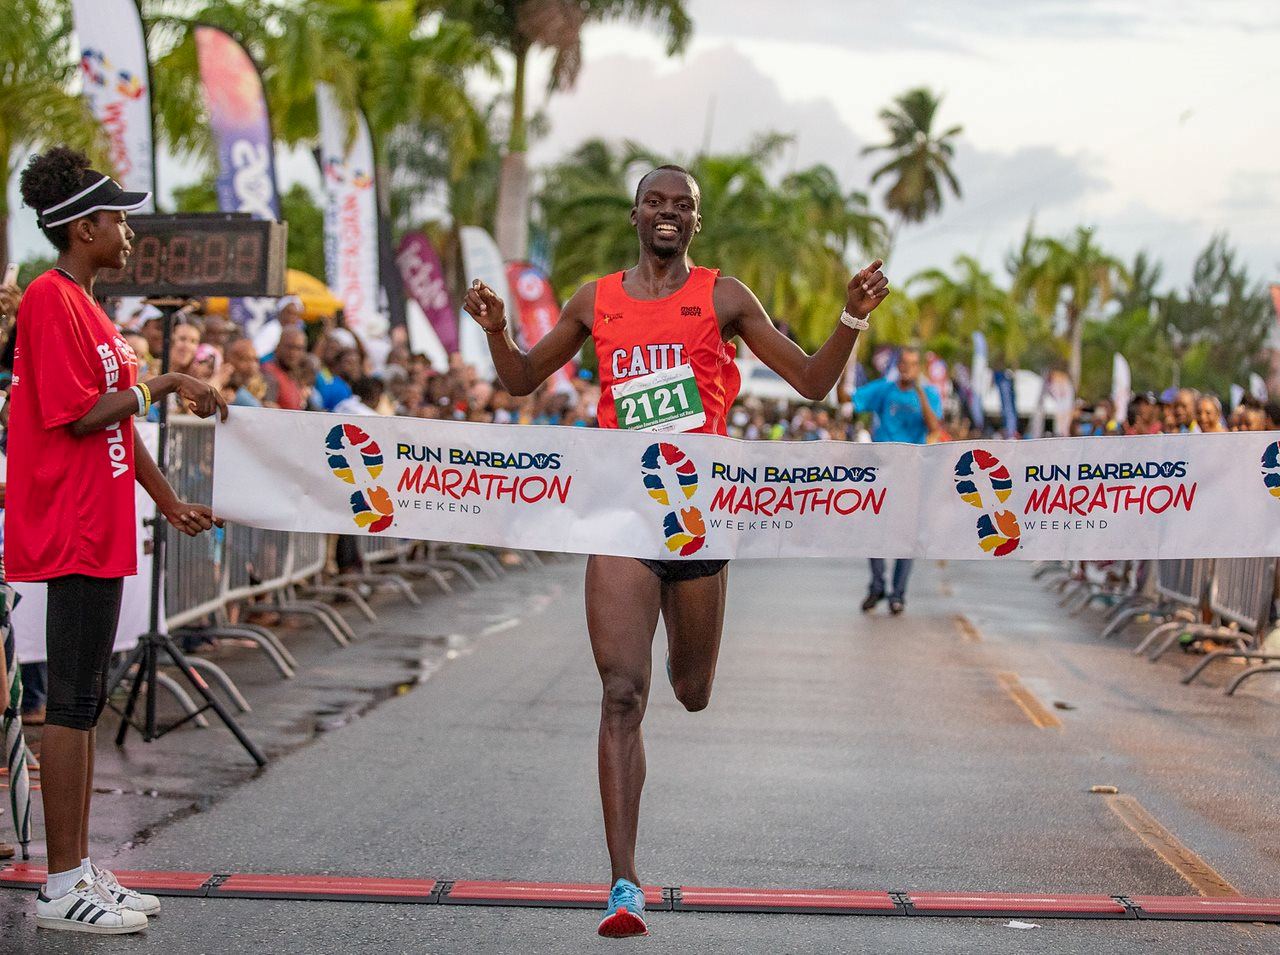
327,888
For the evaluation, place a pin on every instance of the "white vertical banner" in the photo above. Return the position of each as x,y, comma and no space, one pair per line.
113,68
1121,386
351,218
482,260
423,339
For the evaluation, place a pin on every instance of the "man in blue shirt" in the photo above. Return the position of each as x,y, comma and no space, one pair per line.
906,411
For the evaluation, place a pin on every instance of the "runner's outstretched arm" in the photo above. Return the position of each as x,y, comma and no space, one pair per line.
522,372
813,376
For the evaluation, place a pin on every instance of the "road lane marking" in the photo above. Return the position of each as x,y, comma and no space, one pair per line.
1028,702
967,630
499,627
1199,874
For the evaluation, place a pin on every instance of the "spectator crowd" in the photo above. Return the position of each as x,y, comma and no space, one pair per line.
323,366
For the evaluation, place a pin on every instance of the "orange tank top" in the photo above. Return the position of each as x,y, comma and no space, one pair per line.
635,337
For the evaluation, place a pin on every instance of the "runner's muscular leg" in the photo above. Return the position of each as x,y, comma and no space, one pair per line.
693,612
623,599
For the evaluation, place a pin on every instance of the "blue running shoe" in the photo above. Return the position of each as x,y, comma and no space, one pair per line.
624,918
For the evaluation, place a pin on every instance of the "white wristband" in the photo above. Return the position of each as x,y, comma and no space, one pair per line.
858,324
142,401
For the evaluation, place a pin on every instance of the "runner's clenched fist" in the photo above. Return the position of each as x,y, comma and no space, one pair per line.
484,305
866,290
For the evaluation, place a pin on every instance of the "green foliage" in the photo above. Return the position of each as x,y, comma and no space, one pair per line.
1216,329
35,265
306,230
405,74
199,196
1070,279
517,26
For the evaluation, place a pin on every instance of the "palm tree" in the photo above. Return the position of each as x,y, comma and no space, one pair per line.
377,57
952,309
520,26
920,162
37,66
584,202
1073,274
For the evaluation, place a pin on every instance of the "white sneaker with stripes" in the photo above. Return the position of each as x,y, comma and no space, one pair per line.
126,898
88,907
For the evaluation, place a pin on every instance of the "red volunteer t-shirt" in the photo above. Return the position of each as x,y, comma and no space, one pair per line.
69,507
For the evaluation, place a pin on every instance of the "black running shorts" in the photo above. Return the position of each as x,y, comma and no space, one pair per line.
674,571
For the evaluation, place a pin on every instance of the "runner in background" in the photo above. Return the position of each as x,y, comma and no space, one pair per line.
662,323
907,411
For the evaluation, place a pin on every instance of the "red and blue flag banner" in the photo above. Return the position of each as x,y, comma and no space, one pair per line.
423,276
351,217
241,128
539,311
113,68
661,495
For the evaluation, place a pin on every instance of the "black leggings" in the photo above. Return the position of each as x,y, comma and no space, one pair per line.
80,630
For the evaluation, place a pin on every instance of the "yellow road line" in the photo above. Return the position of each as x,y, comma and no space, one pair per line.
1028,702
966,628
1199,874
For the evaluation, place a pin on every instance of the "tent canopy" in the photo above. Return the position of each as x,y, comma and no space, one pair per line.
318,300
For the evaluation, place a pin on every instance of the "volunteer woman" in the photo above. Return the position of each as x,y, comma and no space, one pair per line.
70,520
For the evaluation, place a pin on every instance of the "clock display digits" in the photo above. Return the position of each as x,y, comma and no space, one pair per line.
248,251
201,254
215,259
146,260
178,261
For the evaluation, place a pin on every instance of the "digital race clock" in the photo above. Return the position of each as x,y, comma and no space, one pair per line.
196,254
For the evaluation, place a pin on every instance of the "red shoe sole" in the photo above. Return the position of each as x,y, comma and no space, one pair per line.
623,924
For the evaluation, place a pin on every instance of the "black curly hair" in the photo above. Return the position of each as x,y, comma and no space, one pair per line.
670,167
48,179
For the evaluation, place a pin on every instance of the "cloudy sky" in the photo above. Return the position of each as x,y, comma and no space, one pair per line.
1158,122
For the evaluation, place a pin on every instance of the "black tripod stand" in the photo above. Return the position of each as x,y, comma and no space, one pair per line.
152,644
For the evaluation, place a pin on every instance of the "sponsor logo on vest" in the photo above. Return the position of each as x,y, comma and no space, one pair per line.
694,310
646,359
611,317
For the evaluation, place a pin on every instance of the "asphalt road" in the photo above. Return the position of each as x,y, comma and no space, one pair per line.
839,750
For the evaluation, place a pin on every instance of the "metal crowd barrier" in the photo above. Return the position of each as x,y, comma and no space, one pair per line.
1243,595
217,579
1227,601
1182,591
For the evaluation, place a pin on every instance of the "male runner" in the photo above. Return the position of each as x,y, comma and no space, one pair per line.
662,315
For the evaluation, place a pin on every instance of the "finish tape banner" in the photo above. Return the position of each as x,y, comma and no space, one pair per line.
640,494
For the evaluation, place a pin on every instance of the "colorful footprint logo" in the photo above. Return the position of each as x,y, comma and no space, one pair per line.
1271,469
999,532
683,527
370,504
